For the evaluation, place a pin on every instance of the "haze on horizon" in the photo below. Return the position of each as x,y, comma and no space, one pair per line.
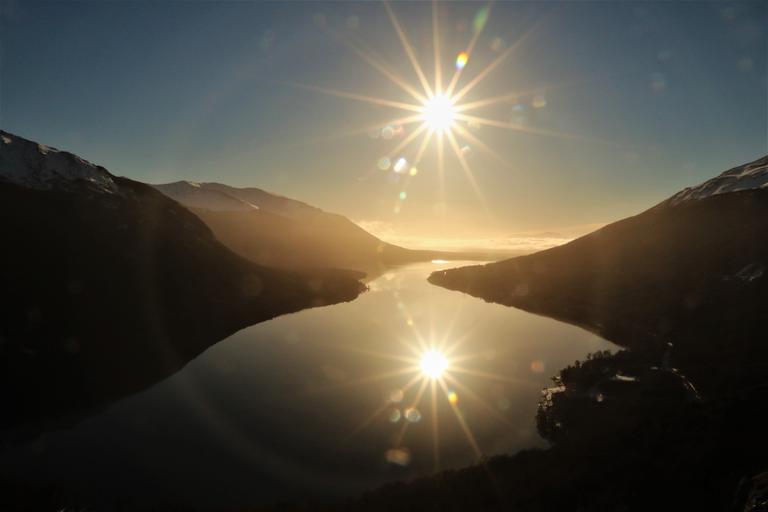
652,98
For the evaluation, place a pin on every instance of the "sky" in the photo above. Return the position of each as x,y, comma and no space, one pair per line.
616,105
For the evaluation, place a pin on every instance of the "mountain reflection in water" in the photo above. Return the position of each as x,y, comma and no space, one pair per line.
314,404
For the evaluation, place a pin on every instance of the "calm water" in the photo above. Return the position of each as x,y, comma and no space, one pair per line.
285,409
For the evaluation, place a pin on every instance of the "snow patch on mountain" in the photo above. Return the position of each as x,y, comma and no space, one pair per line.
199,195
220,197
34,165
753,175
751,272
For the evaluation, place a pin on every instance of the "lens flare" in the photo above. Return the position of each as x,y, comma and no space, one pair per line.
461,60
433,364
438,113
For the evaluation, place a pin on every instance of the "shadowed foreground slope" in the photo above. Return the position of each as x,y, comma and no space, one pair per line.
109,286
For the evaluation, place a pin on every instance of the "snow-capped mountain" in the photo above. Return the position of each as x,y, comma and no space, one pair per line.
749,176
34,165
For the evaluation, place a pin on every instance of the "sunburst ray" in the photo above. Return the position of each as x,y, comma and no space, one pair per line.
467,170
362,380
373,100
435,428
478,400
369,57
408,50
466,134
462,422
413,404
470,48
436,47
410,138
495,63
383,407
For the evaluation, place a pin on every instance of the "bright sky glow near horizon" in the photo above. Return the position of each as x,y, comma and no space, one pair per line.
620,104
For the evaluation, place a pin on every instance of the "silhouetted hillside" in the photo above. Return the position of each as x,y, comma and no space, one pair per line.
277,231
692,272
109,286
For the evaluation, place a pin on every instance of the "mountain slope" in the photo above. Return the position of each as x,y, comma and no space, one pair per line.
277,231
109,286
751,176
691,272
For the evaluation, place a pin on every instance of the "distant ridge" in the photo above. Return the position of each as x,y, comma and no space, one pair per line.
278,231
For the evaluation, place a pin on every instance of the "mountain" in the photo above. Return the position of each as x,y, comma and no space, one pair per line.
109,286
692,270
751,176
281,232
670,423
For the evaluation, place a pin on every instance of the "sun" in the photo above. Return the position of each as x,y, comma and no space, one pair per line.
438,113
433,363
440,108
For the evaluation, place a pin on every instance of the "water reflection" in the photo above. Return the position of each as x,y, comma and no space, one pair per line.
321,402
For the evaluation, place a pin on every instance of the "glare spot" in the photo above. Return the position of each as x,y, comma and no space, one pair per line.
518,114
383,163
481,18
387,132
438,113
395,416
414,171
396,396
433,364
453,397
399,456
413,415
539,101
537,366
403,195
400,165
461,60
497,44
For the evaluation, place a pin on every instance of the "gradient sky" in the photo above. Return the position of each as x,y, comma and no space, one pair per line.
660,96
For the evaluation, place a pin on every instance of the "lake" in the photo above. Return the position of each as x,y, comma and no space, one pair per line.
319,404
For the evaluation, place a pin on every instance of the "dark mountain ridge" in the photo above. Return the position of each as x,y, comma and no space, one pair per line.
109,286
671,423
691,272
